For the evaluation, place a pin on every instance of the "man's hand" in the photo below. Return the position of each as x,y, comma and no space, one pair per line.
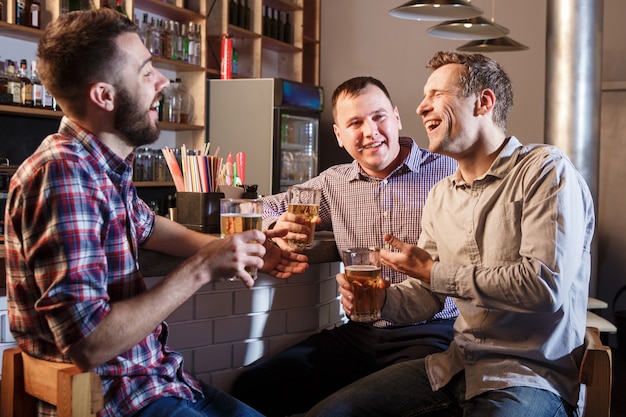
278,261
408,259
296,228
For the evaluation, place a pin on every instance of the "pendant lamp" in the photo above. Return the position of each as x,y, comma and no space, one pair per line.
503,44
476,28
436,10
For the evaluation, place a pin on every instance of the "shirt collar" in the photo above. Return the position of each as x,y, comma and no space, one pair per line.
107,159
357,173
500,167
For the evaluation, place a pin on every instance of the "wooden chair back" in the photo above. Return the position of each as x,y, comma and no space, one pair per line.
25,379
596,373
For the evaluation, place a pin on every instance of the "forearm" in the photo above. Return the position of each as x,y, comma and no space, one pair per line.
175,239
410,302
130,321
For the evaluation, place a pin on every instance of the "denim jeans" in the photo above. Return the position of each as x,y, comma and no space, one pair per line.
403,390
214,404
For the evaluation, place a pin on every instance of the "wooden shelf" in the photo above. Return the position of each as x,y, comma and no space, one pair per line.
30,111
162,8
153,184
23,33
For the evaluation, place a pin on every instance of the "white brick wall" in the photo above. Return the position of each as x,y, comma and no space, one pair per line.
226,326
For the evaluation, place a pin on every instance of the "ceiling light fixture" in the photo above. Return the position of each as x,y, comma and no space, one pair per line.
503,44
436,10
476,28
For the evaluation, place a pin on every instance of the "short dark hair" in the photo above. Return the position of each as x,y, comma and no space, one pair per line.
353,87
480,73
79,49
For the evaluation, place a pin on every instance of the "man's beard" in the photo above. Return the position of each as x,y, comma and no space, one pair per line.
133,122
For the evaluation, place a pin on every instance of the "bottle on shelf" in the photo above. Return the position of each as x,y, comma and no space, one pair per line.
279,27
235,64
247,20
1,11
266,21
14,84
119,7
287,30
186,104
184,42
106,4
191,43
37,86
35,14
198,45
26,99
172,102
155,38
232,12
274,25
241,14
21,16
5,96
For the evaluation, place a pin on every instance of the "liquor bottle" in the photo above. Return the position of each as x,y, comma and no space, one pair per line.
178,43
27,85
184,41
235,65
5,97
266,22
241,14
155,38
186,104
198,45
14,84
37,86
191,43
287,30
279,27
35,14
247,15
232,12
274,25
120,8
20,13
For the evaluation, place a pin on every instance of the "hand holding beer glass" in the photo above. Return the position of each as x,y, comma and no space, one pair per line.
304,203
238,215
362,268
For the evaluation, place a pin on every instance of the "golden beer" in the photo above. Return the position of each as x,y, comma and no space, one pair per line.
240,215
365,281
308,212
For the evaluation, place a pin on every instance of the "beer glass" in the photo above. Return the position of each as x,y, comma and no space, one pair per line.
362,268
238,215
304,203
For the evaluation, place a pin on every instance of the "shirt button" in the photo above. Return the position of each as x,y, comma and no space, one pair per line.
385,213
475,194
469,230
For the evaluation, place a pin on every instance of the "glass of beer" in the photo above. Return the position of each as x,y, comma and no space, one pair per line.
304,203
238,215
362,268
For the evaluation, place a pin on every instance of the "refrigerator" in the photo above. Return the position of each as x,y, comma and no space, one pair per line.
274,121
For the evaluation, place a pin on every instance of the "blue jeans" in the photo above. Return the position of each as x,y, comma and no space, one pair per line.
403,390
214,404
294,380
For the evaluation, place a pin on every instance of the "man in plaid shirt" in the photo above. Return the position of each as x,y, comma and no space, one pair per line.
74,224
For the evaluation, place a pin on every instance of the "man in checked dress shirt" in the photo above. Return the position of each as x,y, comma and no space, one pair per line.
382,191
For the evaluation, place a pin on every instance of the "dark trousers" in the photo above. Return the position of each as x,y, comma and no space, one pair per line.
297,378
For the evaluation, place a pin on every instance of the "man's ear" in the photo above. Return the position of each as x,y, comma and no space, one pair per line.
485,102
103,95
337,135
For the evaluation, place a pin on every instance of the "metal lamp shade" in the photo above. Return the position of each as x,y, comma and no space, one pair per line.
476,28
503,44
435,10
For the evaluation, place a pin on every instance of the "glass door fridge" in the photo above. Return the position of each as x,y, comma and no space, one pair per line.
274,121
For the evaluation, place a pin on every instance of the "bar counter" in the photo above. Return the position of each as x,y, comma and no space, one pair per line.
225,326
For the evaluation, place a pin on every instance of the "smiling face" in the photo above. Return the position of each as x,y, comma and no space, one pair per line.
449,118
138,93
367,126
